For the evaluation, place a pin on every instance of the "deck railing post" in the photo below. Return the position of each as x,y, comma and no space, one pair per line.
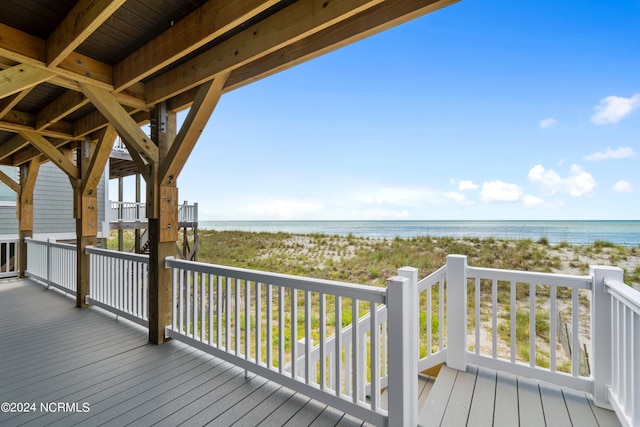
601,329
457,312
403,367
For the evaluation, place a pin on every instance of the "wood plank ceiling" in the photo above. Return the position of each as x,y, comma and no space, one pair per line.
64,61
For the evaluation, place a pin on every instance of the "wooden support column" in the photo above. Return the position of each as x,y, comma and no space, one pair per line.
28,175
92,159
162,212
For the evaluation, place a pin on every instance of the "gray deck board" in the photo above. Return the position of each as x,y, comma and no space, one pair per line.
530,403
462,393
506,402
484,394
500,399
51,351
555,409
576,402
434,410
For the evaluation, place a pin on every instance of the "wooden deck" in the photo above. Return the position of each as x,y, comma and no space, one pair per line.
52,352
484,397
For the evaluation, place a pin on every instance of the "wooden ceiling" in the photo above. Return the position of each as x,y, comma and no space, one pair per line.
56,55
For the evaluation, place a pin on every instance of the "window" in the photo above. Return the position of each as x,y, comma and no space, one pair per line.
7,195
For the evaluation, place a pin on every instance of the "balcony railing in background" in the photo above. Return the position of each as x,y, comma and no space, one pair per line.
9,258
137,212
52,263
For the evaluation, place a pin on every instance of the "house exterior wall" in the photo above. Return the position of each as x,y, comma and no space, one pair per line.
53,205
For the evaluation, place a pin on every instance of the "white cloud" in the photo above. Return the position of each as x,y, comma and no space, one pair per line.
459,198
618,153
578,184
530,200
467,185
498,191
612,109
547,123
623,186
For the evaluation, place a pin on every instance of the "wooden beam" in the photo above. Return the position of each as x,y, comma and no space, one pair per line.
9,182
16,121
21,77
12,146
77,26
29,152
26,49
7,103
373,21
205,102
128,129
293,23
52,153
64,105
208,22
98,161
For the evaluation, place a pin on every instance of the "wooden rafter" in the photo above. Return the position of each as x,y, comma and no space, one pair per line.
205,102
52,153
292,24
7,104
128,129
20,77
372,21
211,20
98,161
9,182
80,23
12,146
61,107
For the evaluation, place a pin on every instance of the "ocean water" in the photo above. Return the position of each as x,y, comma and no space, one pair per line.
625,233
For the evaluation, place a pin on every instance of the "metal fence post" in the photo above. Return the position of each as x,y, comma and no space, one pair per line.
403,360
457,312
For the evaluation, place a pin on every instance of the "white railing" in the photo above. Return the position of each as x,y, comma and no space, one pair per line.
137,212
9,258
119,146
524,310
624,392
120,283
432,319
128,211
268,323
243,316
53,263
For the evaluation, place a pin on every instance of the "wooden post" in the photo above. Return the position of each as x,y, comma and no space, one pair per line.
457,312
601,332
120,213
403,361
28,176
162,211
136,233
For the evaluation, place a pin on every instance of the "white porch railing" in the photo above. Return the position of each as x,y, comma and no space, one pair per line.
243,316
137,212
120,283
9,258
500,319
52,263
624,392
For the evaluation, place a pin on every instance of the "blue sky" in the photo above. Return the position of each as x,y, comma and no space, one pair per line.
487,109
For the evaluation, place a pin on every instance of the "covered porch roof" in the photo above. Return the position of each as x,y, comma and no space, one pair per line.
64,63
